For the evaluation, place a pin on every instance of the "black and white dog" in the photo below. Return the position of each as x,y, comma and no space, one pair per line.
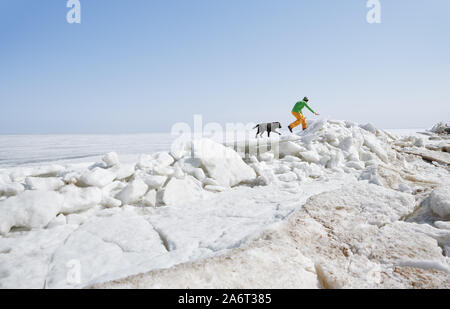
268,127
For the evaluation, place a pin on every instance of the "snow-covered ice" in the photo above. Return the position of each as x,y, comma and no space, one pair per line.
439,201
182,191
78,199
46,184
98,177
222,163
133,192
340,205
30,209
32,150
111,159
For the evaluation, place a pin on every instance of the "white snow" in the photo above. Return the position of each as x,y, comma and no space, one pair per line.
441,128
215,188
163,170
111,202
19,174
46,184
111,159
163,159
133,192
4,178
98,177
290,148
154,181
439,201
124,240
222,163
150,198
11,189
32,150
338,205
369,127
30,209
179,191
310,156
444,225
77,199
58,221
309,249
123,171
145,161
71,177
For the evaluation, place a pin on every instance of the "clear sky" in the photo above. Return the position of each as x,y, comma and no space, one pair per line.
142,65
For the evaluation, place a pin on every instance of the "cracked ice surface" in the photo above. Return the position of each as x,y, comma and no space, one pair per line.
117,242
332,242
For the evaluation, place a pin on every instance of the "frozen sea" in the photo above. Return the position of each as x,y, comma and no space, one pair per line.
266,232
31,150
23,150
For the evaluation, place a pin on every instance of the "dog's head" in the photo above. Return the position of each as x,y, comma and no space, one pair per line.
277,125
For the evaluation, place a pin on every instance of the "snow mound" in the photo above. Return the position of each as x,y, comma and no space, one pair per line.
378,207
133,192
78,199
98,177
150,198
154,181
123,171
439,201
11,189
222,163
163,159
46,184
370,127
441,128
332,145
111,159
5,179
182,191
30,209
20,174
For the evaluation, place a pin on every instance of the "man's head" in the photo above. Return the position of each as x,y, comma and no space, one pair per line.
305,99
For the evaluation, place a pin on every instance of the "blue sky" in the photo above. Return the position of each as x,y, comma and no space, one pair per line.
142,65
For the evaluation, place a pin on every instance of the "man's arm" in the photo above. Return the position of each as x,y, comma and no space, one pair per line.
306,104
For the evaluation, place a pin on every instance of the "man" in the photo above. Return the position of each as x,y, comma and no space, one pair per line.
297,112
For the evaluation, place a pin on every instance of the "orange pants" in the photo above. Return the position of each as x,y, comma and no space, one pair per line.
300,120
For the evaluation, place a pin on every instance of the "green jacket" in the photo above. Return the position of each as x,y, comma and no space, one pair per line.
299,107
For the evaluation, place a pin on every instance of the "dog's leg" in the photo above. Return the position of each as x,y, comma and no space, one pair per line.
269,129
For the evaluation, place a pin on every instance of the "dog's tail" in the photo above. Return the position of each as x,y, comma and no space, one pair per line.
256,126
